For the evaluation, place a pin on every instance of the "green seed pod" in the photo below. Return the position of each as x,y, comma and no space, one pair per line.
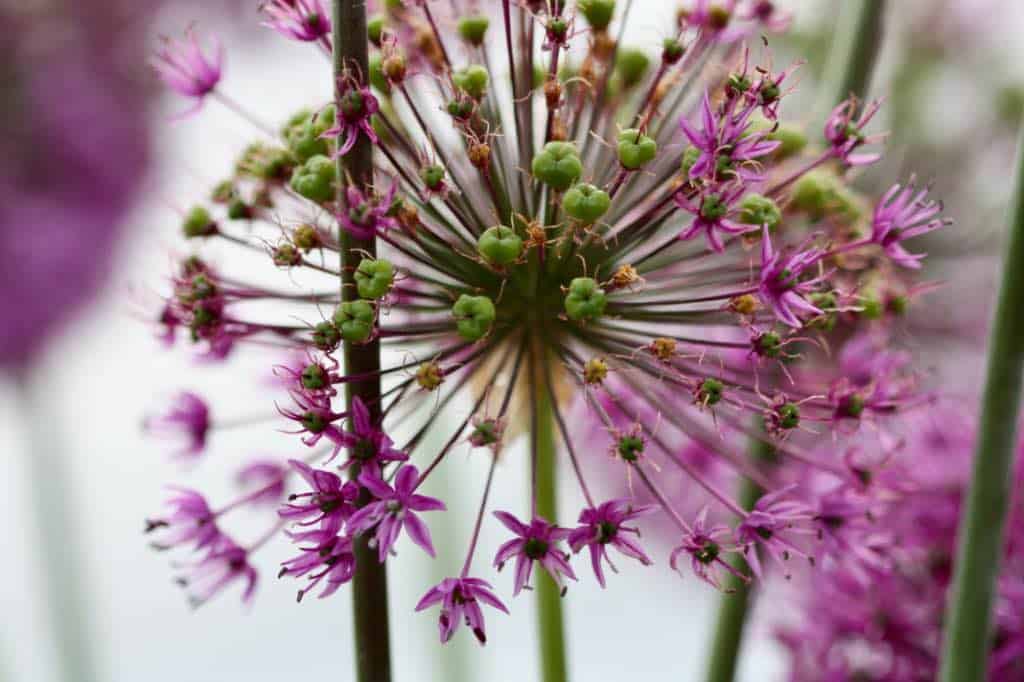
586,203
586,299
198,223
598,13
315,179
239,210
788,415
314,377
636,149
672,51
557,165
793,141
377,78
304,141
630,66
473,28
500,245
433,177
223,192
375,26
354,320
326,336
757,209
374,277
630,448
472,80
710,392
474,316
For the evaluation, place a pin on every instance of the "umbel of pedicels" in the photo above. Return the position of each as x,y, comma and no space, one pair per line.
633,230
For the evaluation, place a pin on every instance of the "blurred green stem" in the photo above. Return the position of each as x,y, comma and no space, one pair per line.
550,625
855,48
369,584
969,610
735,601
58,538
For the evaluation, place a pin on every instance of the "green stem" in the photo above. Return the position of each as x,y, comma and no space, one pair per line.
58,539
735,602
969,611
550,624
369,585
855,49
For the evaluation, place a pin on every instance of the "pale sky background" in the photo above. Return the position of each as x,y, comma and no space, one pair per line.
99,380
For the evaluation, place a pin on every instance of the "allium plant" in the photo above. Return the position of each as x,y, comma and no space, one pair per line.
553,217
882,620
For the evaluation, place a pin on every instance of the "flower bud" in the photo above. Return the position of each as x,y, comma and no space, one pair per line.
198,223
433,177
709,392
429,376
307,238
479,154
375,27
586,299
630,65
474,316
286,255
557,165
472,80
757,209
473,28
374,278
354,320
595,371
672,51
630,448
394,68
586,203
500,245
377,78
663,348
636,149
315,179
598,13
326,336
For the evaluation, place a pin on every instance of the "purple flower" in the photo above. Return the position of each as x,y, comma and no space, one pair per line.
781,285
224,563
604,526
330,503
903,213
76,149
356,107
189,521
188,417
711,209
845,132
368,446
536,542
726,146
705,545
184,68
393,510
330,553
459,599
305,20
267,480
772,524
315,416
366,217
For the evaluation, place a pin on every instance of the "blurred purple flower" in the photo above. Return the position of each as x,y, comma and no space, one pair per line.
185,68
188,416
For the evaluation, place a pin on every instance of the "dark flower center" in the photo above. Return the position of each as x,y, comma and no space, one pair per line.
364,450
707,553
535,548
606,532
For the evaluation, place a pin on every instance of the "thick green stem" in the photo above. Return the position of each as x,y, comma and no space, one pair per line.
58,539
550,625
969,611
855,49
735,602
369,585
